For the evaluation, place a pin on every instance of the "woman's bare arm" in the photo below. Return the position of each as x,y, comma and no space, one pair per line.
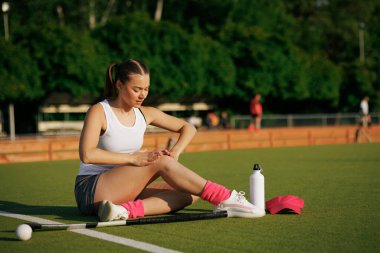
160,119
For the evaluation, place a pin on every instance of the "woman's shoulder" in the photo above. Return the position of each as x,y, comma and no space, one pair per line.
96,114
150,110
96,109
150,113
97,106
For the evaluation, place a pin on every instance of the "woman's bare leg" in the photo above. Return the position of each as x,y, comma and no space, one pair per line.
159,198
126,183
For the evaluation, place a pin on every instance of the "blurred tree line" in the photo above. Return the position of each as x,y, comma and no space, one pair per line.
303,56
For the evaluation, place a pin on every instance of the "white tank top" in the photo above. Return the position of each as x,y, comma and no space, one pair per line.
117,138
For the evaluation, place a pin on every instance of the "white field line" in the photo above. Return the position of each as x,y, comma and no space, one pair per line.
96,234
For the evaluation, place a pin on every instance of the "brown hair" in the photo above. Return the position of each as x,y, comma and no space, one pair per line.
122,72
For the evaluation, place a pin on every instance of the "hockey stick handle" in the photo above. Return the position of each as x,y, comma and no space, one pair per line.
177,218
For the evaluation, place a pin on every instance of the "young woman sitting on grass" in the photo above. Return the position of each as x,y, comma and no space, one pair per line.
116,179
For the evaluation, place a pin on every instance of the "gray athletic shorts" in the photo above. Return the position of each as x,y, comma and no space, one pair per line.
85,187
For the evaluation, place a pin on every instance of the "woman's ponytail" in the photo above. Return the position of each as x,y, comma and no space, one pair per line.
110,90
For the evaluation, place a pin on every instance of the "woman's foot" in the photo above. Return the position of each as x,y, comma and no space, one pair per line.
110,212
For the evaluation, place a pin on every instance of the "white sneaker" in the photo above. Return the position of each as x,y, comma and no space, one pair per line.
237,206
110,212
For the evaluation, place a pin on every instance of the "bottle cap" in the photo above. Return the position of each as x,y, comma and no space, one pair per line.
256,166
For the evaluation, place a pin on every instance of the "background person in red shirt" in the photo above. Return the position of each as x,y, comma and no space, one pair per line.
256,110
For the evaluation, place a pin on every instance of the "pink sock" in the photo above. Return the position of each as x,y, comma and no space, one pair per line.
215,193
135,208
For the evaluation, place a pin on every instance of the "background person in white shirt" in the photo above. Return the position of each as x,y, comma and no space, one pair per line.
364,120
364,107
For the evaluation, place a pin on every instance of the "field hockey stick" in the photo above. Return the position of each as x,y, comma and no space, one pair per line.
140,221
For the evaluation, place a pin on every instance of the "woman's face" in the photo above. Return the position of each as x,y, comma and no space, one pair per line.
135,91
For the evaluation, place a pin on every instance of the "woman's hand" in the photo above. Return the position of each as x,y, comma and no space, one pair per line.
148,158
144,158
171,154
174,155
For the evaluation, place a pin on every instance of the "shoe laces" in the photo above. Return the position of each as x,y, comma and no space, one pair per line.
240,197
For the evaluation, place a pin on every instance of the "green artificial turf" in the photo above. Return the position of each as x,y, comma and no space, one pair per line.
339,183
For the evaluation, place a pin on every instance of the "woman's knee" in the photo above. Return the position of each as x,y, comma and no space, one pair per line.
165,163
